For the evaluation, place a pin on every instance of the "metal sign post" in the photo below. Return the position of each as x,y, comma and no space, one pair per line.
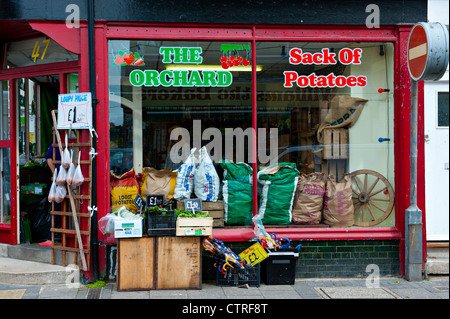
428,47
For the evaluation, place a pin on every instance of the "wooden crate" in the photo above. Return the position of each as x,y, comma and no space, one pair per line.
215,209
195,226
179,263
159,263
335,142
135,258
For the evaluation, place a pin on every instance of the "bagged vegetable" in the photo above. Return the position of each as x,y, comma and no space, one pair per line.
279,182
237,193
60,193
185,178
124,189
338,206
66,159
106,223
71,170
158,182
206,180
52,192
78,177
308,202
61,178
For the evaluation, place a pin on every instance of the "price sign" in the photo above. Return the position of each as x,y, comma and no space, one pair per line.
139,202
254,254
155,200
74,111
193,204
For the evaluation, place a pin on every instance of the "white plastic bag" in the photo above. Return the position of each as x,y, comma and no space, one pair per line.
185,178
78,177
71,171
66,159
61,178
206,180
61,193
52,193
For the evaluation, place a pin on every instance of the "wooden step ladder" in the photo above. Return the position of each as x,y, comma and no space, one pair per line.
76,204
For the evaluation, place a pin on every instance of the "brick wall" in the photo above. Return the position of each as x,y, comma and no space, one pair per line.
319,259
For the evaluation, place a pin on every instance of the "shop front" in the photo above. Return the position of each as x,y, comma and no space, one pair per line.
314,117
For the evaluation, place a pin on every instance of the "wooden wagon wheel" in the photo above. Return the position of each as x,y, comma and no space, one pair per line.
373,197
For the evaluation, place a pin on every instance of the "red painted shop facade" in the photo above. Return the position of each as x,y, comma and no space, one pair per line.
301,83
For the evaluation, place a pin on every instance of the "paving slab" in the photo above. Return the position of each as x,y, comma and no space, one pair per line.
12,294
355,293
58,292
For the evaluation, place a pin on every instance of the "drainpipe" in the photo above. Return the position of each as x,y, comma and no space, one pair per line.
413,215
92,89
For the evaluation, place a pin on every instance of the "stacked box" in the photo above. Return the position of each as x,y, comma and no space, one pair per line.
214,209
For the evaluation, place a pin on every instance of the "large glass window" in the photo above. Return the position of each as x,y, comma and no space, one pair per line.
320,114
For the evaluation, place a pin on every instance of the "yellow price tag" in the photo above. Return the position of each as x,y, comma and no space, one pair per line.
254,254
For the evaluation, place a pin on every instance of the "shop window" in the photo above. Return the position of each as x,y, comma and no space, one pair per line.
36,51
324,99
5,185
4,107
315,115
442,109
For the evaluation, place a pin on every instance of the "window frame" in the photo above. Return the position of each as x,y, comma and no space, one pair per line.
256,33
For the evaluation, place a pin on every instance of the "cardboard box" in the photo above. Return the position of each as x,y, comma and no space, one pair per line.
128,228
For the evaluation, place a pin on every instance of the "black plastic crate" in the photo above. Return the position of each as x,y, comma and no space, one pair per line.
237,277
161,223
279,267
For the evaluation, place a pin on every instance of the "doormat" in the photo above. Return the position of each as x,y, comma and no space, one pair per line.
355,293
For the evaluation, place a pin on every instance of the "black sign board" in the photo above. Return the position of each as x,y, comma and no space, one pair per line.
155,200
139,202
193,204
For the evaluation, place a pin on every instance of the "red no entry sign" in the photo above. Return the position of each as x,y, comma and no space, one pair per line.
427,51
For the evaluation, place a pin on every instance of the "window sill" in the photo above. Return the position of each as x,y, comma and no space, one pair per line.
299,233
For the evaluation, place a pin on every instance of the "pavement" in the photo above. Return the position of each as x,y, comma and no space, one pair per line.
436,287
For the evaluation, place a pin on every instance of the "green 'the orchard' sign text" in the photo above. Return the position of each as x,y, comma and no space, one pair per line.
181,77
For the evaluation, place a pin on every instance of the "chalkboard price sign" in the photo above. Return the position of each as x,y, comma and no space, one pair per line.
193,204
155,200
139,202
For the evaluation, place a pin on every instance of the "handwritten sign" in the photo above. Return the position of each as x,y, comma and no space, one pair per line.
74,111
139,202
155,200
254,254
193,204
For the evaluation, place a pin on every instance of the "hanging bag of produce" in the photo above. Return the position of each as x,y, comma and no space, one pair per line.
338,205
66,159
60,193
71,170
279,182
61,178
308,202
78,177
185,178
237,193
52,192
206,180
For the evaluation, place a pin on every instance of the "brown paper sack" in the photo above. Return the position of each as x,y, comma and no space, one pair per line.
158,182
343,111
338,206
308,200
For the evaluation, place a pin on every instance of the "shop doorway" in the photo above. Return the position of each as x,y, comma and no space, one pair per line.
437,160
36,98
